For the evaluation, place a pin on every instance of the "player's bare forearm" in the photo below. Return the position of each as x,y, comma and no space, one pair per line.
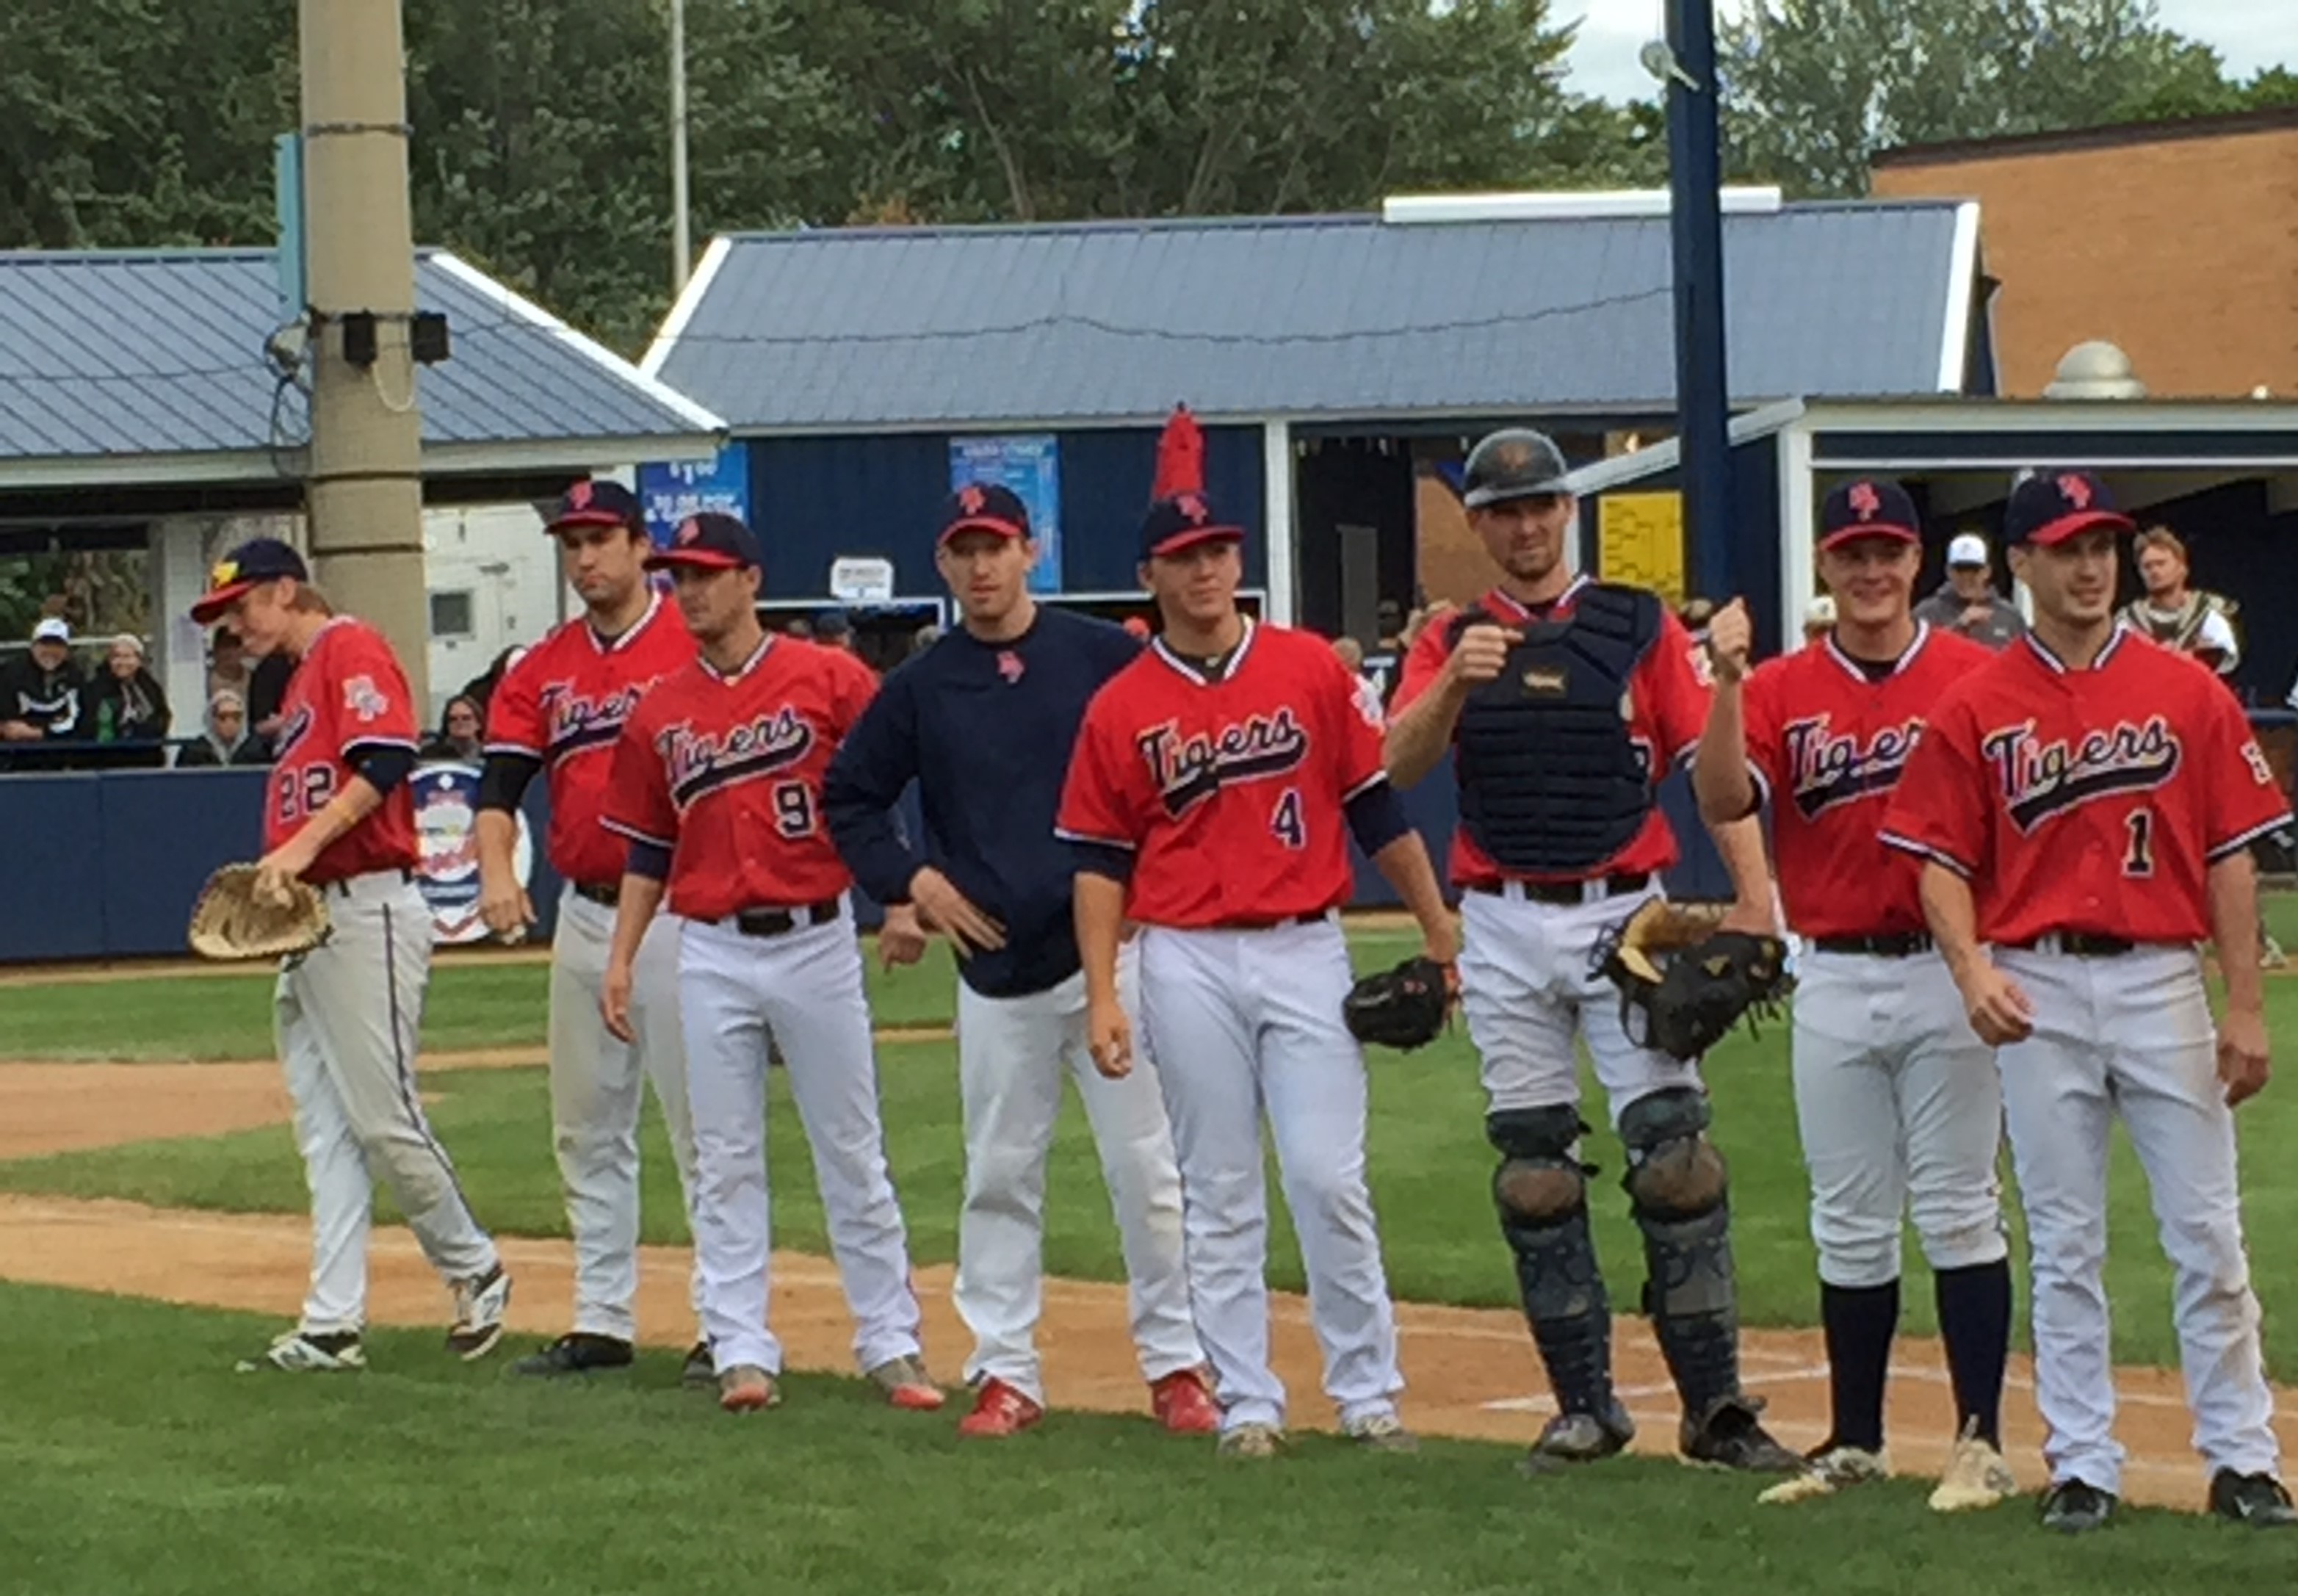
497,834
1403,864
353,802
2233,890
1418,739
1741,843
1719,769
1948,911
635,904
1098,902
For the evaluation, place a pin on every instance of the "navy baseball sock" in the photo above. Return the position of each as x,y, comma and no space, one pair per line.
1974,1314
1860,1321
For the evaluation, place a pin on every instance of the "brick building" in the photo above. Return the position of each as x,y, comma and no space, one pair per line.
2177,241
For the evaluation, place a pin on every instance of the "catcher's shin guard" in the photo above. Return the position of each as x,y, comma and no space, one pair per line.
1678,1184
1541,1190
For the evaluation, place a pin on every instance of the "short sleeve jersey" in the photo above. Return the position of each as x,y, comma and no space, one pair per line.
725,770
2090,801
1230,792
1827,744
565,704
347,694
1668,695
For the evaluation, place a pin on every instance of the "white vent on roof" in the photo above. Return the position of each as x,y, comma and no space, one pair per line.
2096,369
1409,210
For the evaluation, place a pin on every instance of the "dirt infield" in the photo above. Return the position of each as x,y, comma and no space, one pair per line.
1472,1372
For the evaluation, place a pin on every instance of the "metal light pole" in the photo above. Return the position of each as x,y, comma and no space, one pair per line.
1696,224
681,244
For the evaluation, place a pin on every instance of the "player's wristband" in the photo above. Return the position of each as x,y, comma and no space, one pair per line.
503,780
1103,859
384,765
648,859
1377,818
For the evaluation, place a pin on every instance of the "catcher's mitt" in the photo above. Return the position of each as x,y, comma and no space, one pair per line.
229,922
1711,977
1402,1008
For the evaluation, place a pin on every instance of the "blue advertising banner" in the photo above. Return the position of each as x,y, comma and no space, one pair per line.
1030,466
677,489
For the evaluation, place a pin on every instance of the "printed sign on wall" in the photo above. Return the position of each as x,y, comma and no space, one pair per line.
1030,466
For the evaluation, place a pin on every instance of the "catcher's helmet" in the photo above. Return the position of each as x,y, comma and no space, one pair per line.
1513,463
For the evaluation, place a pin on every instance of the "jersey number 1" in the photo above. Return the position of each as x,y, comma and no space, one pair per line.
2138,858
1286,823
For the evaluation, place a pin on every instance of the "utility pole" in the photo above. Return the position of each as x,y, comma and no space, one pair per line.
681,245
364,490
1696,226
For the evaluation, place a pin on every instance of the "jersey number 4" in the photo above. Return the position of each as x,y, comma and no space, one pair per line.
1285,822
2138,858
794,809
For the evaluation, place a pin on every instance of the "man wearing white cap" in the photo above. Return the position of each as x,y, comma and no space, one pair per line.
40,693
1968,602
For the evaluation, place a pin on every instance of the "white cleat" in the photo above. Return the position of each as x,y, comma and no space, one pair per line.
1977,1478
1827,1471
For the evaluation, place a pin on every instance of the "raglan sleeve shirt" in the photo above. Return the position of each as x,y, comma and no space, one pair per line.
1940,810
516,737
1101,812
639,805
2241,800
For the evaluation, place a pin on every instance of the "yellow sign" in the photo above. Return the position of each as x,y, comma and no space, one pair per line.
1639,541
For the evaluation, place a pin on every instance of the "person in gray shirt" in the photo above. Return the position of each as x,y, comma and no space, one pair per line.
1967,601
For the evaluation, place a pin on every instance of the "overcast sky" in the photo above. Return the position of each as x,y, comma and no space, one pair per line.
2248,35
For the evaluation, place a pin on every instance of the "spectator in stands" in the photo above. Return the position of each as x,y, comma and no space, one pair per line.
1419,621
834,628
1968,601
1818,618
799,626
1352,655
461,734
227,741
481,690
43,701
266,690
1138,628
1388,620
126,705
925,637
228,665
2179,617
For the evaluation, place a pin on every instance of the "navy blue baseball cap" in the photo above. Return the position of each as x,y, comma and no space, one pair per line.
2050,507
1872,506
597,504
984,506
1182,521
232,577
709,542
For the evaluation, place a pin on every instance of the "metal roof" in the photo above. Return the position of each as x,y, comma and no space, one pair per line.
111,355
1321,316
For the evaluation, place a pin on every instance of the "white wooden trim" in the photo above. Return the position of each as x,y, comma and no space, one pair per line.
1962,282
1283,533
690,299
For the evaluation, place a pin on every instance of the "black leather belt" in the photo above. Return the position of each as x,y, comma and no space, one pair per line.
2078,945
606,897
341,885
1894,945
1318,918
1568,892
779,923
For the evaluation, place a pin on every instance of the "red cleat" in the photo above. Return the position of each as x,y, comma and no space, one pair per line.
999,1410
1182,1404
905,1383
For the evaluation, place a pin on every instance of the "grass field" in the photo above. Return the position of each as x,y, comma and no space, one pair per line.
135,1460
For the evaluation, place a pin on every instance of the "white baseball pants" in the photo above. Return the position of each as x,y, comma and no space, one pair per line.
802,989
1012,1056
346,1016
1899,1107
2131,1035
1246,1024
596,1084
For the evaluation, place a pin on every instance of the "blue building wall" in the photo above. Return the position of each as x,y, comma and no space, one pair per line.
816,498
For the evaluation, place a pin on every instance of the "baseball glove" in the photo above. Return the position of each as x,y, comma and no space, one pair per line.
1710,978
1402,1008
229,922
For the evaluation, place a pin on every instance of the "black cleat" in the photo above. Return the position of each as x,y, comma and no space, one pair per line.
2076,1507
2256,1499
578,1353
1729,1435
1571,1439
698,1371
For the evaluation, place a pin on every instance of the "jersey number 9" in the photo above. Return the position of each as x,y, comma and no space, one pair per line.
794,809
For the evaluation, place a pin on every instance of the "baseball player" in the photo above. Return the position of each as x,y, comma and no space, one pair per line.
559,710
1214,783
1561,702
338,815
983,721
2083,806
716,784
1898,1101
2175,615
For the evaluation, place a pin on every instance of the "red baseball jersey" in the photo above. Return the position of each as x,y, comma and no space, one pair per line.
725,770
1827,745
1667,693
347,693
2091,801
565,704
1229,793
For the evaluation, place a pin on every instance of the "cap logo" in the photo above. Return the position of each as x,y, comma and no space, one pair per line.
1865,502
578,497
690,532
1193,510
225,572
971,499
2075,490
1514,455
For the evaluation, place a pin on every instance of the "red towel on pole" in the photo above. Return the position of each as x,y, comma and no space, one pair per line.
1180,457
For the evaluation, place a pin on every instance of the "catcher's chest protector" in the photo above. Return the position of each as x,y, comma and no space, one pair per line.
1550,781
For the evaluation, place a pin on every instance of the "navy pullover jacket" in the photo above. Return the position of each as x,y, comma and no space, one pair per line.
985,731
